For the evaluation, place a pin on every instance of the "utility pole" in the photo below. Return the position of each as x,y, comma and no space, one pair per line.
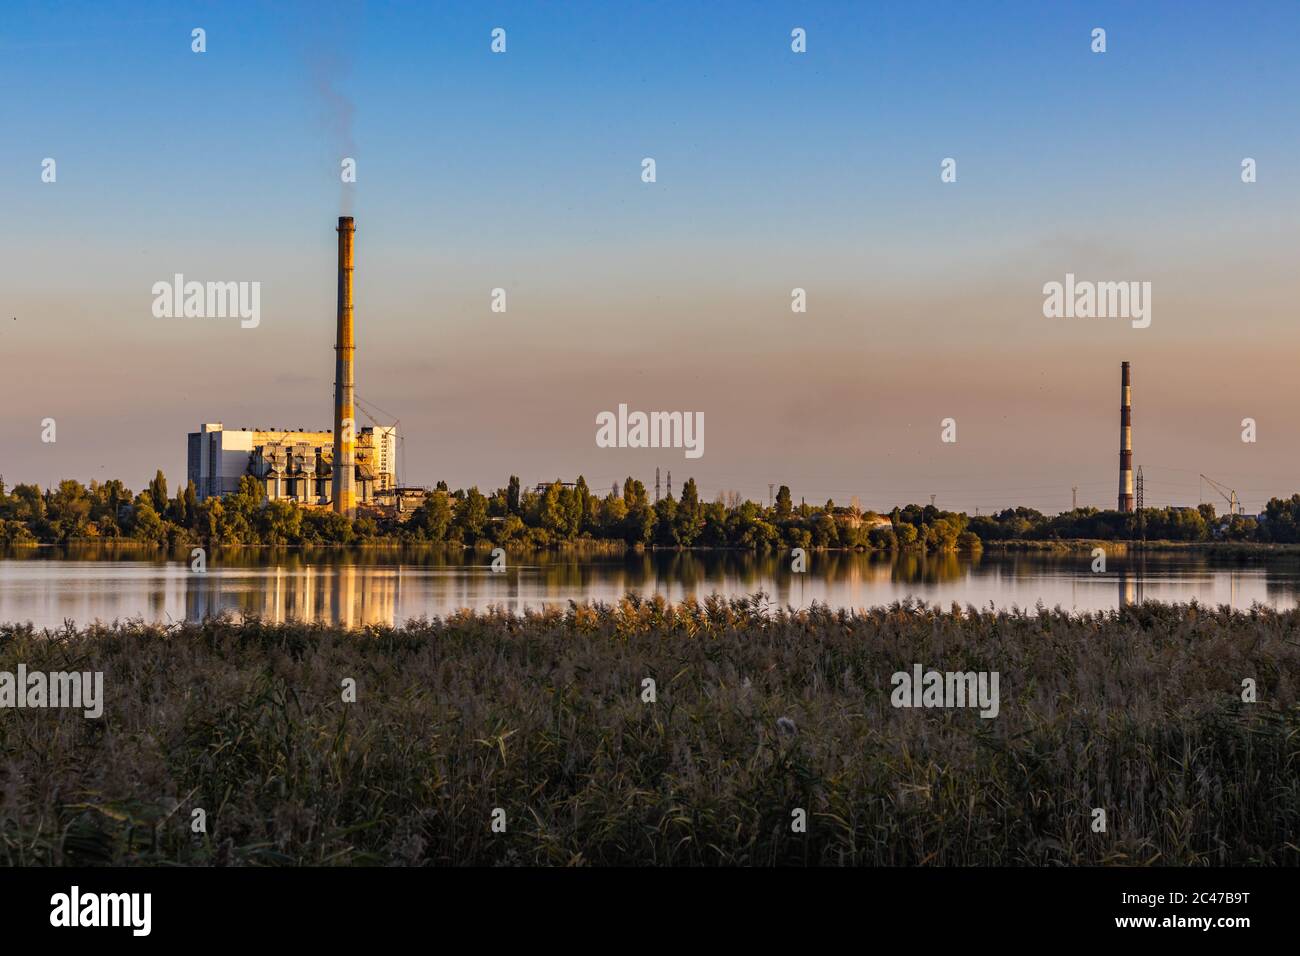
1074,503
1142,521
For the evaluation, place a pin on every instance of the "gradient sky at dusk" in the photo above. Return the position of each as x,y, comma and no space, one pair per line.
775,170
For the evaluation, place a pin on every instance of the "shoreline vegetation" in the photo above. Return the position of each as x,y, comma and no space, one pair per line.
565,514
758,712
1060,547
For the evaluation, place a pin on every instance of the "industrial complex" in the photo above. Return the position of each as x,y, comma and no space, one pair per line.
300,465
289,465
346,467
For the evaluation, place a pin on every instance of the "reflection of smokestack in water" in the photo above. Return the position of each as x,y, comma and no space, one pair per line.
344,480
1126,441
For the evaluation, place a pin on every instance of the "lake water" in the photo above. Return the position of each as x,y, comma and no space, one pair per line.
47,586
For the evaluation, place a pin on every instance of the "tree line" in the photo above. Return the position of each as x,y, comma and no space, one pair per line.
563,512
1280,523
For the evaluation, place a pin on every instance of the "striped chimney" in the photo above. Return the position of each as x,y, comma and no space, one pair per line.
343,484
1126,441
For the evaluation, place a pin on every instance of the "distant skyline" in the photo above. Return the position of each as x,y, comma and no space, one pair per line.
775,170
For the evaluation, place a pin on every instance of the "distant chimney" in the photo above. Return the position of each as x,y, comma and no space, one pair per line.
343,484
1126,440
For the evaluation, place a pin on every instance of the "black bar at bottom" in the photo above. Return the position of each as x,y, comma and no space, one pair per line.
333,906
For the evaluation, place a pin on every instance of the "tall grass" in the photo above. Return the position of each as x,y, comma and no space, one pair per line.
1138,712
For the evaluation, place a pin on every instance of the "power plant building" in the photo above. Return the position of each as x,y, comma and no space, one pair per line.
298,465
289,465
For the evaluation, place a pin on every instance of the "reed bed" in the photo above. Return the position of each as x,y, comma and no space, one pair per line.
759,711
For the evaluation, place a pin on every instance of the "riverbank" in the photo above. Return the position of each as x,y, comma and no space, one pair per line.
1119,547
756,715
1112,546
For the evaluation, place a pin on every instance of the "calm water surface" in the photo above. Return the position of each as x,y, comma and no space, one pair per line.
49,586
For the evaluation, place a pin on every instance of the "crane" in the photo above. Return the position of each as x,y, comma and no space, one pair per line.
1229,495
401,439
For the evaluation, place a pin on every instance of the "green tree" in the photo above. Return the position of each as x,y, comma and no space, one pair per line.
714,534
690,516
237,529
665,528
147,525
825,531
577,506
639,524
106,503
208,519
942,534
191,503
28,505
550,515
158,493
783,502
613,514
634,493
433,517
68,510
247,501
334,528
280,522
176,511
473,514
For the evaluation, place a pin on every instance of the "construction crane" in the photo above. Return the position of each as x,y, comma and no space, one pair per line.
1229,495
401,439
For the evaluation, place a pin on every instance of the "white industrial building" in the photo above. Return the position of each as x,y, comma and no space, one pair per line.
292,465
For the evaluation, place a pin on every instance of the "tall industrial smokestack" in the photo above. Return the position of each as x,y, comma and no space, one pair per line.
1126,441
344,481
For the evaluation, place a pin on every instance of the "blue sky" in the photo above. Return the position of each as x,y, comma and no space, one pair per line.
775,170
440,125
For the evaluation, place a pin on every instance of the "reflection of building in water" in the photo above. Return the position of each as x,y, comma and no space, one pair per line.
1128,589
202,596
348,595
1131,589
